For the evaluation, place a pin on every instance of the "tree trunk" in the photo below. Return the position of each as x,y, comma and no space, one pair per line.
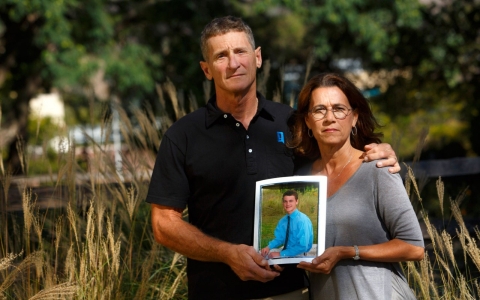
22,61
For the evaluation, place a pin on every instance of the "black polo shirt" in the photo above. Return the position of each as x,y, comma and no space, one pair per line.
210,163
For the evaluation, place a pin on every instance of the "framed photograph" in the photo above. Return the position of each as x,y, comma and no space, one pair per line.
290,214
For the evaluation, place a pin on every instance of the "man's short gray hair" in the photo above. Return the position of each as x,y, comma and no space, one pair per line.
224,25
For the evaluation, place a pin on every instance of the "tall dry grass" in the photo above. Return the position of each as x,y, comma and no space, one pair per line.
97,242
93,238
451,265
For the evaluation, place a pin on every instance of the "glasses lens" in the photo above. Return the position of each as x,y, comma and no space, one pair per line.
339,112
319,112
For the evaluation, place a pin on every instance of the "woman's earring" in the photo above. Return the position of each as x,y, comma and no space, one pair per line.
354,130
309,132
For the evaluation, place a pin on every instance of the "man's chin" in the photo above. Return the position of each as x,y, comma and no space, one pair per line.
237,88
237,85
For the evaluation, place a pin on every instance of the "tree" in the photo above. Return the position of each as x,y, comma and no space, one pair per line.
442,90
98,50
63,44
422,56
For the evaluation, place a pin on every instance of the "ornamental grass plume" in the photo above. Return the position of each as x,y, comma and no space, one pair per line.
28,211
440,192
131,202
58,233
447,242
6,262
15,271
178,105
60,291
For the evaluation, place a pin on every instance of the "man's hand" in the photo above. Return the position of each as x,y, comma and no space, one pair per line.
265,251
385,154
249,265
274,254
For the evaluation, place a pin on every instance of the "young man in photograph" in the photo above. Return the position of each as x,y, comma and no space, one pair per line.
294,231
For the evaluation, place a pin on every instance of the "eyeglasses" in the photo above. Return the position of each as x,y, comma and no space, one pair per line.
340,112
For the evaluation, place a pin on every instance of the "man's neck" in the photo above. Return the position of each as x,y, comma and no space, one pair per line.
242,107
289,214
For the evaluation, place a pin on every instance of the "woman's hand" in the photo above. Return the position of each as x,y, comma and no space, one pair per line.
327,261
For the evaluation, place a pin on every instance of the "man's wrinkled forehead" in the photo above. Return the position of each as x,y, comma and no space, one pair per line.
208,38
211,31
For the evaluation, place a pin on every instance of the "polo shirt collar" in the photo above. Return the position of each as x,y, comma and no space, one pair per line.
213,113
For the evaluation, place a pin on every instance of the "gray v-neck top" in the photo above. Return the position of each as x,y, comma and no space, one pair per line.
372,207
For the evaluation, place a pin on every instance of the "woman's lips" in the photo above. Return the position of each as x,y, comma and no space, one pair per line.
330,130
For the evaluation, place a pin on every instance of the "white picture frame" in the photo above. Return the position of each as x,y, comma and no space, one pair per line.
312,200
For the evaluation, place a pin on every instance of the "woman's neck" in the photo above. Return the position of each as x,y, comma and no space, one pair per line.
338,165
334,158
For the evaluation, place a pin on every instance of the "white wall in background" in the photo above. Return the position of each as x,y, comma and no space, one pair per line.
48,105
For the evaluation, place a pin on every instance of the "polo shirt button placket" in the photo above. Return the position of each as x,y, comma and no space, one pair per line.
248,144
250,155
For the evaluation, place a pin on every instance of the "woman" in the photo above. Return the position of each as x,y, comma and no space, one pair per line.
371,225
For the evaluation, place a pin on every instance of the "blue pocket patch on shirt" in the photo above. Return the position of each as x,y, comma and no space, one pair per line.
280,137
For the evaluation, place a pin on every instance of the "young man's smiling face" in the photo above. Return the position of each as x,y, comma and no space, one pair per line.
289,204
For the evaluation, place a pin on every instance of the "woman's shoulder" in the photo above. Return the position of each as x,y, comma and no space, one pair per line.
371,167
303,166
380,175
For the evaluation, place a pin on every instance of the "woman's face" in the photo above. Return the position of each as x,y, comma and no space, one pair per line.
330,116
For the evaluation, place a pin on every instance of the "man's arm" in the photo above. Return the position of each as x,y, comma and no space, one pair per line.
173,232
279,233
385,154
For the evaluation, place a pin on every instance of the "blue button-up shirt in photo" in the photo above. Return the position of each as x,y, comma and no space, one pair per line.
300,237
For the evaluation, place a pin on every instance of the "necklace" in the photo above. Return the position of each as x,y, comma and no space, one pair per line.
345,165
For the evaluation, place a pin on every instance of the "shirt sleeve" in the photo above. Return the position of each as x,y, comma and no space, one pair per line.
396,210
169,182
279,233
300,238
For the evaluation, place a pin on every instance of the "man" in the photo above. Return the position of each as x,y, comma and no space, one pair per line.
210,161
294,231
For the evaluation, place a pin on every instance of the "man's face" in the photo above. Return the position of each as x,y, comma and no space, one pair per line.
289,204
232,63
